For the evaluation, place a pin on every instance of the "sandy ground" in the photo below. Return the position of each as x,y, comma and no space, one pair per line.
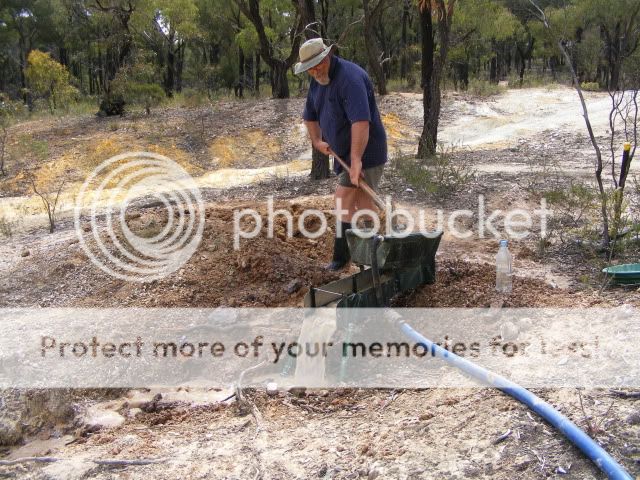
436,433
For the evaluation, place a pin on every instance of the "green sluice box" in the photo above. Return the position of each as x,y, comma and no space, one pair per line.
394,251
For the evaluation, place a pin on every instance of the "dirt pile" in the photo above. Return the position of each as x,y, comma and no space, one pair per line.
461,284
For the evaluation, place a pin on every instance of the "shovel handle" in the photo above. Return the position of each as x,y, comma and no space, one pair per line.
363,185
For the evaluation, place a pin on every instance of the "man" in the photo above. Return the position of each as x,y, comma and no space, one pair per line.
342,117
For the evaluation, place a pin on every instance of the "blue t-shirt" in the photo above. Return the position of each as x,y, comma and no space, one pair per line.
348,98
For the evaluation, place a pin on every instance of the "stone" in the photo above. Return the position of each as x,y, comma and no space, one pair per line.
294,286
25,253
634,418
10,431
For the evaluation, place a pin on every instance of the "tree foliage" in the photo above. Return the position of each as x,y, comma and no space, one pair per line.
213,45
49,79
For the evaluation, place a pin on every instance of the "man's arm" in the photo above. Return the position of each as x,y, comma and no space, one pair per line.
359,140
316,137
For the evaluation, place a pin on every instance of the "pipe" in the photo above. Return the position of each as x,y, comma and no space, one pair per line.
586,444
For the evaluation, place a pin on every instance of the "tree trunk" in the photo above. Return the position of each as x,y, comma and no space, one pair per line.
257,77
280,84
403,45
319,161
428,139
180,66
371,46
319,165
278,67
324,17
308,12
432,70
170,78
493,71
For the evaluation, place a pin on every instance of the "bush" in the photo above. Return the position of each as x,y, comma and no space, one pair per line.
192,98
590,86
441,174
574,208
484,88
49,80
136,84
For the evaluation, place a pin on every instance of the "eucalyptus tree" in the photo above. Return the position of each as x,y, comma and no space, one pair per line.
279,26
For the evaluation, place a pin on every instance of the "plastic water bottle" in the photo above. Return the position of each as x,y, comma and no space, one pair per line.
503,268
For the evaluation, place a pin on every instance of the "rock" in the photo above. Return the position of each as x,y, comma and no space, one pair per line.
96,419
298,391
10,431
133,412
294,286
272,389
374,472
25,253
634,418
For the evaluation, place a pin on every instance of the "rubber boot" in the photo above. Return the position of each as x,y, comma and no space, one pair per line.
341,254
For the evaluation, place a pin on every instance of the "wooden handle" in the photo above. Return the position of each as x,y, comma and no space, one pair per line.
363,185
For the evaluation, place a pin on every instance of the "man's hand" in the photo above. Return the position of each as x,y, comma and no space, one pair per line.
355,171
322,147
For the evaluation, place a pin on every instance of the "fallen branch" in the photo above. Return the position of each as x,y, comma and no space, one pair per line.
622,394
116,463
122,463
18,461
243,406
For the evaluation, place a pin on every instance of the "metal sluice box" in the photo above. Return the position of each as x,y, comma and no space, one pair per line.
397,264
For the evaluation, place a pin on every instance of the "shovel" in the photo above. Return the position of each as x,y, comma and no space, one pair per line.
363,185
395,226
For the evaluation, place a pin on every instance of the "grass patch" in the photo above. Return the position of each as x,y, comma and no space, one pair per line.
484,88
441,175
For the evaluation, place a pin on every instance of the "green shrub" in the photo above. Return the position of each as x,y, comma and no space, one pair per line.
49,80
136,84
574,208
441,175
590,86
484,88
192,98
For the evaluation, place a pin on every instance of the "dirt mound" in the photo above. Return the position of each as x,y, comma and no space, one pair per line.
461,284
274,269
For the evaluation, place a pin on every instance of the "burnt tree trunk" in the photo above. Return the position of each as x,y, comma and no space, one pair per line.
319,165
433,64
280,84
257,78
319,161
429,137
403,45
371,16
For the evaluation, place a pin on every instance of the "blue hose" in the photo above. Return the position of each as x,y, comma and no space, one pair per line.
590,448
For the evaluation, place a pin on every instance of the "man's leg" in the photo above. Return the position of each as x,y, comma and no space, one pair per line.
345,198
364,201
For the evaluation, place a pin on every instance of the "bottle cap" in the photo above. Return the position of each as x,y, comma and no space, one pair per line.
504,243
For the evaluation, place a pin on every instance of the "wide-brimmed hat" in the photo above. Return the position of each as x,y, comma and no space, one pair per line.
312,52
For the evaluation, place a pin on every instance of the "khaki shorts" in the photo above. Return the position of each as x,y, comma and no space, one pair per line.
371,175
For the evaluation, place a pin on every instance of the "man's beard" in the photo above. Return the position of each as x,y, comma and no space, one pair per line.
324,81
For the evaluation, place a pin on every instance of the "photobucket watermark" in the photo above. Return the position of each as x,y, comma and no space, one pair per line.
149,252
464,224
